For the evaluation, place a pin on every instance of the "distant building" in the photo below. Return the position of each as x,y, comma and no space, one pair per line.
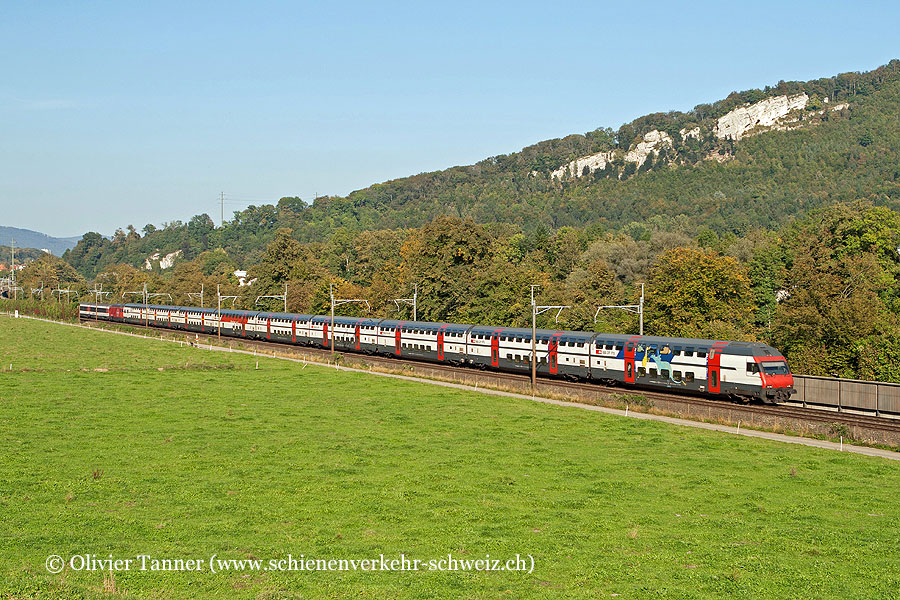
242,278
45,251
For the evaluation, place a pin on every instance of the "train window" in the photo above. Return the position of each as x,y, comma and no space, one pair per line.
701,353
676,375
642,372
664,373
688,351
775,368
752,368
619,346
652,372
628,368
688,377
713,378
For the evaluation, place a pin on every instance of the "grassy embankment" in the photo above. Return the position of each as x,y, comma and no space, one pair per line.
114,445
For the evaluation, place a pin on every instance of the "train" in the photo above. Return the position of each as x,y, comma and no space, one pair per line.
742,371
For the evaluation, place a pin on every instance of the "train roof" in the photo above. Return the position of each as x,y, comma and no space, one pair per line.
541,334
425,325
344,320
282,316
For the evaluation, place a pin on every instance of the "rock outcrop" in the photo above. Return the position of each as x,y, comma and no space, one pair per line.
690,133
165,262
765,113
653,142
779,113
576,167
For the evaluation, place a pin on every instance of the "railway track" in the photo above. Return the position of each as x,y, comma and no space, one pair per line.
824,419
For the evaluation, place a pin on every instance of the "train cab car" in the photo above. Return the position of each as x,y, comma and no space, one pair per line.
765,373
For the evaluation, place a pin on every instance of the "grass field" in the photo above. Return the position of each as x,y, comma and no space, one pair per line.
122,446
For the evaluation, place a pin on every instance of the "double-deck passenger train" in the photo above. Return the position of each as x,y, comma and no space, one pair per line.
738,370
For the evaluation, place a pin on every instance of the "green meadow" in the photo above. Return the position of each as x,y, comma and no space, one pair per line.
111,445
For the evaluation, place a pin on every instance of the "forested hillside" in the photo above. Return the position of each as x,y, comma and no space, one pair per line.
786,231
723,185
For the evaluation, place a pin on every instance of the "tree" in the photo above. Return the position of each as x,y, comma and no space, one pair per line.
694,293
842,303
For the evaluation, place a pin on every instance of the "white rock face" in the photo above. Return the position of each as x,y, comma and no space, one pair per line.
165,262
765,113
575,168
690,133
654,141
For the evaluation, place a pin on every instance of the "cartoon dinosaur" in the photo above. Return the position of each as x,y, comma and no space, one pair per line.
664,365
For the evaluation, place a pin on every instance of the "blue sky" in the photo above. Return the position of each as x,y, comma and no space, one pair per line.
117,113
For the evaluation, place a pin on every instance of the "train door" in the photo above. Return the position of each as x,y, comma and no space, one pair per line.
440,344
268,329
243,326
397,340
356,335
324,335
495,349
294,331
713,371
629,362
552,355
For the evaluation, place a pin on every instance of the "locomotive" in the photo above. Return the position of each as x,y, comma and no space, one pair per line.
725,369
